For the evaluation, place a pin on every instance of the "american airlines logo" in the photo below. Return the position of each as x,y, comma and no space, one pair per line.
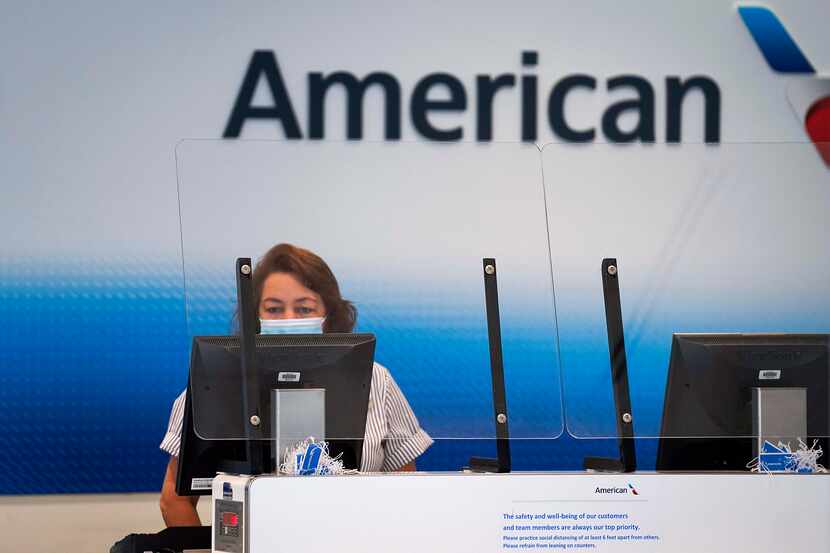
809,96
617,490
629,120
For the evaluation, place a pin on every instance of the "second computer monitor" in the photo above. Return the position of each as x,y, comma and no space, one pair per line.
717,391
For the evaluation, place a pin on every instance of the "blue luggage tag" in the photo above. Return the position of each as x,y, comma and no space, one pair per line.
311,459
775,459
768,447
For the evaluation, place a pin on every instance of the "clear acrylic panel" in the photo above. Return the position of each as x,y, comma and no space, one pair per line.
723,257
404,227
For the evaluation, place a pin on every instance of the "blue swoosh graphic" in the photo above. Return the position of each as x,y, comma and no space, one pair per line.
778,47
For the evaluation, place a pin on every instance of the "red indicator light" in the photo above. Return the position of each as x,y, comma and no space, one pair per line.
230,519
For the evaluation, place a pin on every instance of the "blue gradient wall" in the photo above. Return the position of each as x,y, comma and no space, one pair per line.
97,102
92,359
93,351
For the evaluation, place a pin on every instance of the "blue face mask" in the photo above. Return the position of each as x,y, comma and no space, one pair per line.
310,325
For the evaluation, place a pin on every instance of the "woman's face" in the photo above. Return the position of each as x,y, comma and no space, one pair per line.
284,297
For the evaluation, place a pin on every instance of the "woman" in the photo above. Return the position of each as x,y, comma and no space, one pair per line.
295,291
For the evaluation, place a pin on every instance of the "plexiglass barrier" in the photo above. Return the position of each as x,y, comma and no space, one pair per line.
404,227
721,254
723,258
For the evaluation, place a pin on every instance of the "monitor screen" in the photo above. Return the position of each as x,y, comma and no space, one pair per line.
213,433
714,382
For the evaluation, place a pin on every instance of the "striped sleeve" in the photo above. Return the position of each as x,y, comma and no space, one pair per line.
173,437
405,439
375,434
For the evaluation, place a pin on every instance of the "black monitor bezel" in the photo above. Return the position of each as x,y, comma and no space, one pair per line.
226,455
681,451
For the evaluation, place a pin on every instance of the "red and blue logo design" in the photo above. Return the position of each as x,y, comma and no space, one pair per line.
634,491
809,98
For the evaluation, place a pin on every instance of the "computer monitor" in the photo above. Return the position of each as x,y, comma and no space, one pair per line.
713,390
339,363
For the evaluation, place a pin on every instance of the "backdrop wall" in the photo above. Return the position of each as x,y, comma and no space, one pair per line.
95,98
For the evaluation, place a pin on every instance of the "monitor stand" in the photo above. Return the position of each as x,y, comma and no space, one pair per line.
627,461
778,415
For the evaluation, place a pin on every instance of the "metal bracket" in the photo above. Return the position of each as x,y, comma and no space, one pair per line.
251,388
491,296
627,462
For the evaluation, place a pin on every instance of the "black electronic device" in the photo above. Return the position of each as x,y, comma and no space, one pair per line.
200,460
170,540
214,434
708,408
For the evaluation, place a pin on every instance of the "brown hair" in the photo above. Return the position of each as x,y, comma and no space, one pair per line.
315,275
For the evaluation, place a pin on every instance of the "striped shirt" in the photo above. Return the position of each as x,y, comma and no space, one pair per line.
392,439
